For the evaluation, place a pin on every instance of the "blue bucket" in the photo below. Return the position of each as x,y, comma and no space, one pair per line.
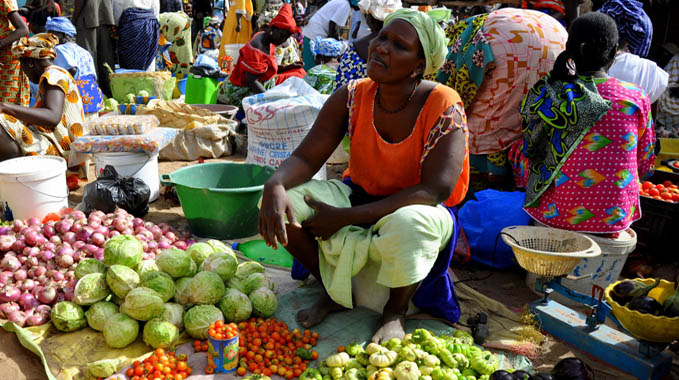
181,86
222,354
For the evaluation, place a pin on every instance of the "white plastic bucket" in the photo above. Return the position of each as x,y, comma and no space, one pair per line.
33,186
137,165
601,271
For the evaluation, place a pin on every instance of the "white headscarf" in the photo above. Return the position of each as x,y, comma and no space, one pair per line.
379,9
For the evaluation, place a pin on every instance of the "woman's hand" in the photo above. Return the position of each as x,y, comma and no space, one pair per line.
326,220
275,206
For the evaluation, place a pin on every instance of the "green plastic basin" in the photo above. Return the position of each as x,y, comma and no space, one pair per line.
220,199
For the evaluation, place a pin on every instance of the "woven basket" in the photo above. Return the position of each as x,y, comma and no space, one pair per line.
548,251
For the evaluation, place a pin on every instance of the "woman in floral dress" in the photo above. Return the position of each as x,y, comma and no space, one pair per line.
13,83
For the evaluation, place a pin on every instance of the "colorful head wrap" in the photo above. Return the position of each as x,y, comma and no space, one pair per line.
634,25
433,39
284,20
328,47
550,5
379,9
40,46
60,24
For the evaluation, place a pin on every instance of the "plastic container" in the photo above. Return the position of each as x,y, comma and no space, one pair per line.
258,250
129,164
201,90
181,86
220,199
222,354
33,186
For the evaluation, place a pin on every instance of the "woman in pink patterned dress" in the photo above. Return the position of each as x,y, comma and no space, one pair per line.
588,137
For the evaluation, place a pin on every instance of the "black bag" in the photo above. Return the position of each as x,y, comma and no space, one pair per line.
111,190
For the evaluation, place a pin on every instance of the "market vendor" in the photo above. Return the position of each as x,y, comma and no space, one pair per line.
326,52
409,167
492,71
78,62
586,179
57,117
256,69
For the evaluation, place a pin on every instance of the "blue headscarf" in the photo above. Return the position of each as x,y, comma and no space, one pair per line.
328,47
60,24
634,25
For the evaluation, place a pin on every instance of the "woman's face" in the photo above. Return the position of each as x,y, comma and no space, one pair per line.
31,68
279,36
394,54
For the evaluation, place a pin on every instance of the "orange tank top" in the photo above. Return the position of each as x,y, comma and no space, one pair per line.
382,168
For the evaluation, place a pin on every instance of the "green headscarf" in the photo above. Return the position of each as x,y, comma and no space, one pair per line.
433,39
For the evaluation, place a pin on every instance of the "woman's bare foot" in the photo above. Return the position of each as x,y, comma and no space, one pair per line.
318,311
392,325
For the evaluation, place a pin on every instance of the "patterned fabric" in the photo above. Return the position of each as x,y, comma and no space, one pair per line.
468,57
269,11
207,39
171,6
556,116
667,124
289,54
321,78
597,188
39,140
634,25
90,93
40,46
60,24
14,86
232,94
400,163
232,40
176,27
525,44
71,56
138,33
163,59
351,67
328,47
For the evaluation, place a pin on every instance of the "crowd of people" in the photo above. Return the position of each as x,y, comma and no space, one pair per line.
432,104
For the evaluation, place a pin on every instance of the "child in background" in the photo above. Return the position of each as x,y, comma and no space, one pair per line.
326,53
209,37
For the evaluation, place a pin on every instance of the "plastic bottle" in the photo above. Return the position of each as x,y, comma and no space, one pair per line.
258,250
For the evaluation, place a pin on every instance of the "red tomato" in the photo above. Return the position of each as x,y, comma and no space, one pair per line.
667,183
654,192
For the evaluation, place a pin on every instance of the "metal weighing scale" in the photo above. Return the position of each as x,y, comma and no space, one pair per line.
586,332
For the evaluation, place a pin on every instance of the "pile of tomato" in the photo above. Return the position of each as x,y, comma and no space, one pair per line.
161,365
221,330
268,347
666,191
200,345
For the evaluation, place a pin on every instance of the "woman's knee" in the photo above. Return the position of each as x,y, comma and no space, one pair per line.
8,147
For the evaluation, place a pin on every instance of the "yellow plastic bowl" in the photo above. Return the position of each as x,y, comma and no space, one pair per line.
645,326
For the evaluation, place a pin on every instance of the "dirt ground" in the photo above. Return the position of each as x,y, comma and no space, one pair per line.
17,363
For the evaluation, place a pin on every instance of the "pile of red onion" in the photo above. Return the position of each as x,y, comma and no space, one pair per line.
39,260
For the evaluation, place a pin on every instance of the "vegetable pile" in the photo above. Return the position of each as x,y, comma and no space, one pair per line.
419,356
126,296
666,191
40,259
566,369
160,365
634,295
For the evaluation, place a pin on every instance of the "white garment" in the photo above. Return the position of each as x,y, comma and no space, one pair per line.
119,6
337,11
643,72
363,29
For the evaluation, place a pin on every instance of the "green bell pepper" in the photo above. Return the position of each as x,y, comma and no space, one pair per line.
311,374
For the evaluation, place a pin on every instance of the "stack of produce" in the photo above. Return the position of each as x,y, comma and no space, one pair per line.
420,356
40,259
160,365
635,295
124,290
666,191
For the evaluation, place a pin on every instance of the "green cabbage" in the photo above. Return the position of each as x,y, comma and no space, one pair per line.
160,282
175,262
68,316
121,279
235,305
99,313
206,288
221,263
90,289
120,330
88,266
146,266
264,302
123,250
219,246
159,333
142,304
256,281
174,313
247,268
181,290
197,320
237,283
103,368
200,252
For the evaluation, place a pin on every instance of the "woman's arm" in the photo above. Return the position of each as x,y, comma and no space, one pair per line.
48,116
440,171
20,30
238,17
254,84
292,66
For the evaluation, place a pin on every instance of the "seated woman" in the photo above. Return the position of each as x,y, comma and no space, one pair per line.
353,64
583,173
78,62
322,76
57,117
256,69
492,69
395,208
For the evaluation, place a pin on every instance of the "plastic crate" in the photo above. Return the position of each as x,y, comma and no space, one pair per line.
658,221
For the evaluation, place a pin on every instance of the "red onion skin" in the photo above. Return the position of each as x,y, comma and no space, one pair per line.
10,263
69,237
57,276
137,222
91,249
65,261
79,244
33,221
10,294
65,251
180,244
127,231
47,295
171,236
18,317
49,246
56,240
62,226
28,285
113,234
27,301
6,242
39,271
5,276
103,230
98,239
20,275
8,307
18,225
163,245
32,261
22,259
47,255
37,320
31,238
43,309
76,227
18,245
5,230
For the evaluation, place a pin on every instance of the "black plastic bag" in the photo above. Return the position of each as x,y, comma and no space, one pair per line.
111,190
203,71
